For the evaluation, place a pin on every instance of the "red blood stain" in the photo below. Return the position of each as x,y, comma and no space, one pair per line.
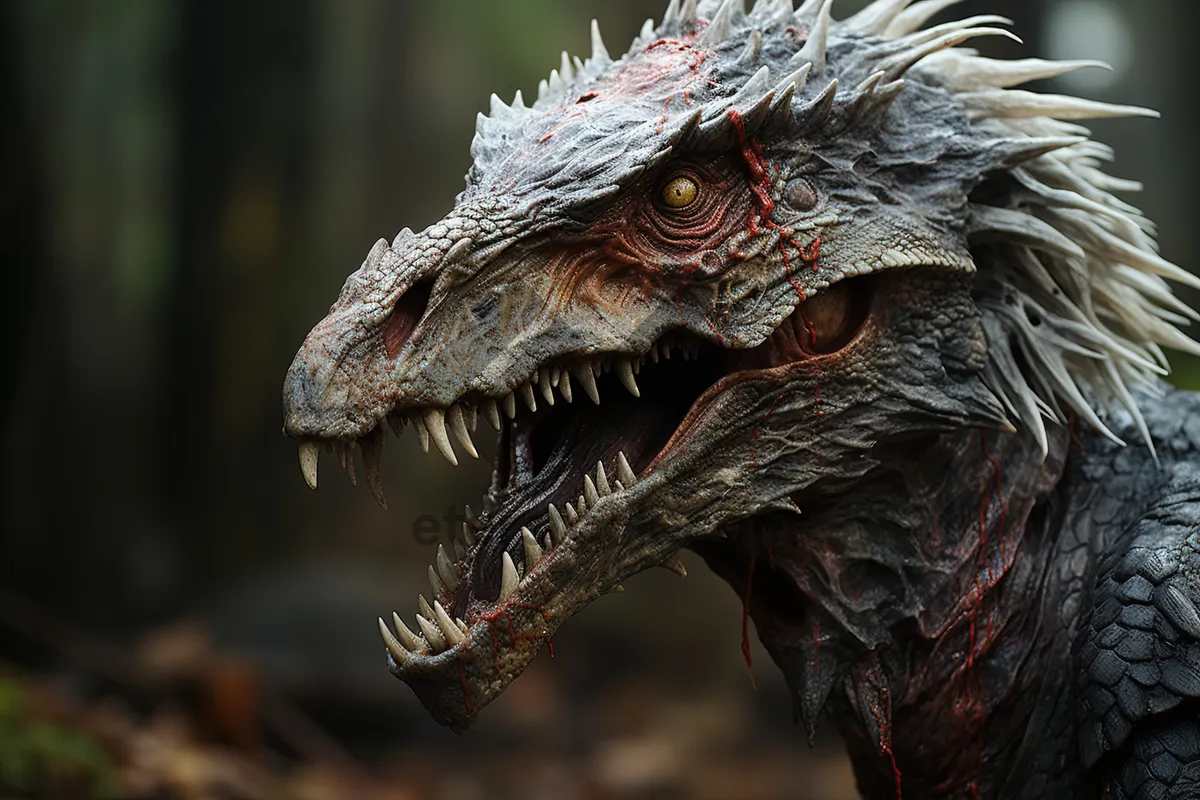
760,176
760,185
746,621
887,750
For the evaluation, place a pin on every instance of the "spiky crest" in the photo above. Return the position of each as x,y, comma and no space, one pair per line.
1076,308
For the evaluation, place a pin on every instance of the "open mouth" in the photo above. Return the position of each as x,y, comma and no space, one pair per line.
565,466
570,511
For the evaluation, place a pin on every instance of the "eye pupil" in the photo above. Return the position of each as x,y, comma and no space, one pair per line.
680,192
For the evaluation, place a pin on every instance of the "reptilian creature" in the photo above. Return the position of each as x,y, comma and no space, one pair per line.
838,308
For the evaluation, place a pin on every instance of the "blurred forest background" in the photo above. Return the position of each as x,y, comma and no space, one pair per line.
184,185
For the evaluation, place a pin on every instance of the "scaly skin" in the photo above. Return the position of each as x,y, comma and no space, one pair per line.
909,325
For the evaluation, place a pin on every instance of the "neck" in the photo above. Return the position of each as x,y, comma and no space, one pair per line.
906,606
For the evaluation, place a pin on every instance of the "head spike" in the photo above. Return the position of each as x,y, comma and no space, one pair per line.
720,28
814,49
752,51
518,100
1018,104
875,18
902,62
647,34
566,69
796,80
914,18
671,15
972,73
599,51
817,112
808,9
497,109
689,15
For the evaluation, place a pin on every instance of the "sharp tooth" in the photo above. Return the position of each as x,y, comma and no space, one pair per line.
435,420
546,543
446,570
654,352
471,518
339,449
602,480
424,607
624,371
544,385
468,535
489,505
572,514
588,381
372,450
399,654
460,552
407,638
581,506
564,386
526,391
624,472
432,635
435,582
492,412
589,491
309,453
666,351
676,566
508,577
533,550
459,426
350,467
555,376
558,528
422,432
396,423
471,413
620,587
510,405
620,487
462,626
449,629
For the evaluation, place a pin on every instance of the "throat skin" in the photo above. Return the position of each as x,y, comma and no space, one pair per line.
918,609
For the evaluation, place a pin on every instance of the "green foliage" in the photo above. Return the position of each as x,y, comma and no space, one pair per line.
45,759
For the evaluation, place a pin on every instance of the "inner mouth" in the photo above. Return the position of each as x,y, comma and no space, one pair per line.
568,514
547,458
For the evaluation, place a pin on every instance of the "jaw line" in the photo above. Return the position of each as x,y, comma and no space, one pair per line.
502,639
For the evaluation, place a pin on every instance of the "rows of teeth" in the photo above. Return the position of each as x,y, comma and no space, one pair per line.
460,420
438,631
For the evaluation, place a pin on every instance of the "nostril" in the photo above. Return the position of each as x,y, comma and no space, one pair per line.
405,316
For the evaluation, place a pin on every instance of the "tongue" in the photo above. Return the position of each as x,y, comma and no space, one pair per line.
558,447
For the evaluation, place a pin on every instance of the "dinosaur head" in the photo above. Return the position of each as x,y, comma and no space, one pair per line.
713,281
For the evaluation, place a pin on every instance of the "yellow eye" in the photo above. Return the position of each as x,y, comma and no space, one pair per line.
680,192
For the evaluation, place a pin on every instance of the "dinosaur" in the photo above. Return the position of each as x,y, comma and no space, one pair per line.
839,307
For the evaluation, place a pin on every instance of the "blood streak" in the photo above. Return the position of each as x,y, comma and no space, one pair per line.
760,176
746,622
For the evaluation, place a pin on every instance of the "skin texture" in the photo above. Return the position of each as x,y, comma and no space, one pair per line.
910,330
